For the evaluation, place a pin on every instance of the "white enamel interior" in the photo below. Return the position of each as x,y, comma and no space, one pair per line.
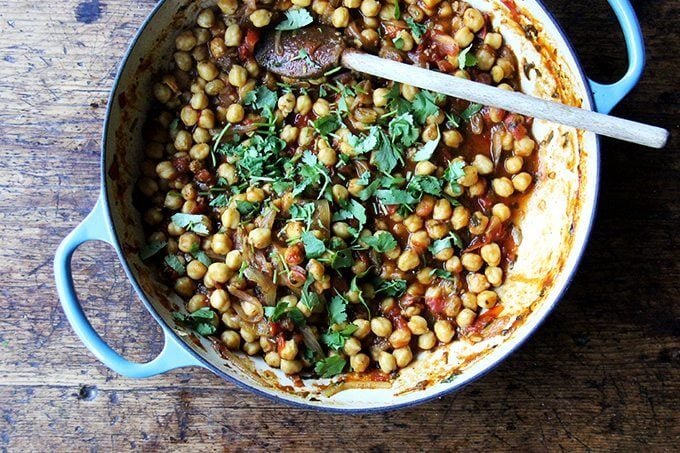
554,224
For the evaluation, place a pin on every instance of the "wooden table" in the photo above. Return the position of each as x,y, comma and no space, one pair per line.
602,373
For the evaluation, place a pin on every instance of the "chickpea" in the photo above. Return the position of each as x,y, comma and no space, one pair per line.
465,318
286,103
477,283
221,244
491,253
381,327
183,141
424,276
207,70
497,73
340,17
478,223
359,362
436,229
196,270
233,260
184,286
493,40
513,164
289,350
502,211
231,218
473,19
233,35
494,275
483,164
261,18
214,87
238,76
464,37
427,341
302,3
363,328
370,8
219,272
471,262
408,260
219,300
352,346
502,186
524,147
460,217
409,92
260,237
425,206
183,60
386,361
189,242
425,167
235,113
291,366
316,269
487,299
251,348
228,172
442,210
380,98
400,338
444,331
470,177
199,151
403,356
417,325
272,359
306,136
340,193
303,104
174,230
231,339
469,300
165,170
420,240
413,223
522,181
185,41
162,92
327,155
255,195
289,134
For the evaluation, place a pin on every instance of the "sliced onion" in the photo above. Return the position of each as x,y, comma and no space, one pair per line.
245,297
322,215
477,124
278,48
264,284
310,340
296,277
266,220
496,144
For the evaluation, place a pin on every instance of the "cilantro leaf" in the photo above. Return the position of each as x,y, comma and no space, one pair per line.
466,59
452,119
314,247
426,152
191,222
441,273
398,43
354,287
366,143
201,320
220,201
262,99
309,298
151,249
397,10
386,156
246,208
448,242
295,18
337,310
336,340
303,212
417,30
330,366
351,210
311,173
365,178
283,309
382,242
203,258
326,124
175,264
471,111
402,130
391,288
424,105
454,172
425,184
395,196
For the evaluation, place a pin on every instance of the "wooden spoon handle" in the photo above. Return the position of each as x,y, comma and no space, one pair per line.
599,123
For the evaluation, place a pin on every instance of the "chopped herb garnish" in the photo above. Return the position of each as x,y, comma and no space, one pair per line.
326,124
398,43
309,298
402,130
262,99
336,339
304,55
395,196
303,213
175,264
282,309
466,59
190,222
453,173
391,288
422,184
425,105
314,248
246,208
337,310
151,249
471,111
397,10
417,30
201,320
295,18
426,152
382,242
330,366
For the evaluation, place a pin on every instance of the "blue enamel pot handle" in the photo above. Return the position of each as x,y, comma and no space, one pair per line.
95,228
607,96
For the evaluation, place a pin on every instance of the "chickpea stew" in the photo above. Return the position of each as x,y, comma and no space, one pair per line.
341,224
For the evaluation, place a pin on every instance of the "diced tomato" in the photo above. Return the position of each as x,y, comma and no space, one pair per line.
445,66
275,329
280,343
445,44
435,304
485,319
245,50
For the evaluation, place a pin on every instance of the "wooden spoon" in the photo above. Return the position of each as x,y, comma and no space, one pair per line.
310,52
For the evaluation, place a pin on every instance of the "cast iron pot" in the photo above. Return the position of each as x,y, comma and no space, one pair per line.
551,230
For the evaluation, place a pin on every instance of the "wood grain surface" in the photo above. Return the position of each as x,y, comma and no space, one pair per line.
603,373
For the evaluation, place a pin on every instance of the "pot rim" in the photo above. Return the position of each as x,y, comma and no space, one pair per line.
455,385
